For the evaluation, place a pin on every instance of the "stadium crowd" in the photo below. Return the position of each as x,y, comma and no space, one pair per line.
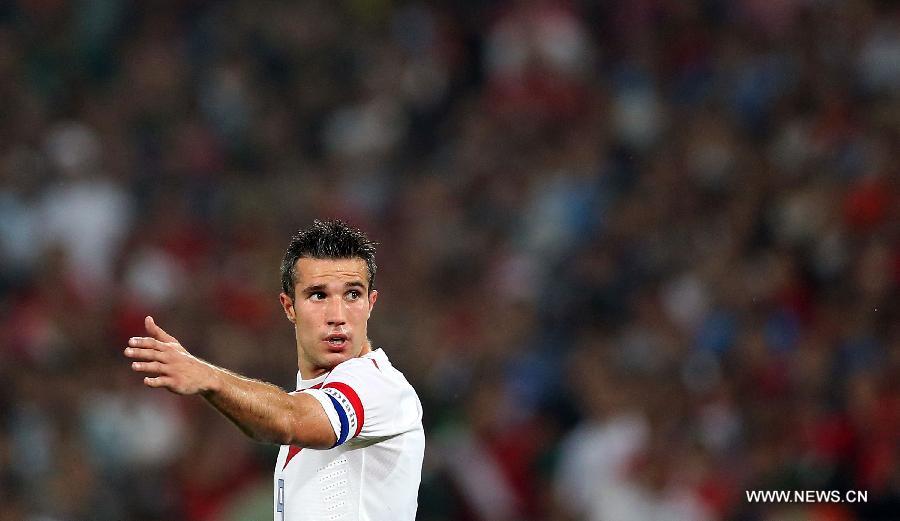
637,258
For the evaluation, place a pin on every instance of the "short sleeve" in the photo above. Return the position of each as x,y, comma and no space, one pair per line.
365,403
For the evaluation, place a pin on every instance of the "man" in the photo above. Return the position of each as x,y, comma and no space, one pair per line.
351,435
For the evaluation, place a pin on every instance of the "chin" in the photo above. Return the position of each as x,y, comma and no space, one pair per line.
333,359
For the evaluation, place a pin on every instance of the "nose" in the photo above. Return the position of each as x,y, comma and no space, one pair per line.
334,314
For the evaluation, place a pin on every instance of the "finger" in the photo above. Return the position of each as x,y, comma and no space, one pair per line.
159,381
147,342
148,355
156,331
148,367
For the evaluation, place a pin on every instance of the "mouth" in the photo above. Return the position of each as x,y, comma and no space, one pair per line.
337,342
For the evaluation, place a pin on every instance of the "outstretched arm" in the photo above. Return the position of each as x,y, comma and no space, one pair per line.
261,410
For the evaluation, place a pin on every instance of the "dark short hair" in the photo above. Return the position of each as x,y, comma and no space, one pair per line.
331,239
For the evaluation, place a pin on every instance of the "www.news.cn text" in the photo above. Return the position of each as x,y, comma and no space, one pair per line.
807,496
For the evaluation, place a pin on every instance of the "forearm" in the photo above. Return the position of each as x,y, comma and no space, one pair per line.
265,412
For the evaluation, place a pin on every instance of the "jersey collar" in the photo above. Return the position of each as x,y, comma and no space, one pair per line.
379,356
376,354
306,384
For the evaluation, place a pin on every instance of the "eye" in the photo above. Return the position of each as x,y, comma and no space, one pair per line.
318,295
353,294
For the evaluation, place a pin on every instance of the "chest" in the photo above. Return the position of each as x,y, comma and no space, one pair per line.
321,483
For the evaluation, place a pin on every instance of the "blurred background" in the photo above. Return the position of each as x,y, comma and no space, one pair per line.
636,257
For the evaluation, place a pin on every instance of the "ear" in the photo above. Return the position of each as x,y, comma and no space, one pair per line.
287,304
373,296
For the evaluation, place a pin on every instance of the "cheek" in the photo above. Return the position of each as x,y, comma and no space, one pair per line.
360,315
306,317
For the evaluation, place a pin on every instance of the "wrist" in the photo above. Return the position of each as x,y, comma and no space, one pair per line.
213,381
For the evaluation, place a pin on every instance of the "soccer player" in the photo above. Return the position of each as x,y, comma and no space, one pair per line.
351,434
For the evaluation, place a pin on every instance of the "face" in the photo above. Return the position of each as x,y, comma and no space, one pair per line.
330,311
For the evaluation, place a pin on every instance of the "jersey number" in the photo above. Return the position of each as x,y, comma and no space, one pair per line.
280,506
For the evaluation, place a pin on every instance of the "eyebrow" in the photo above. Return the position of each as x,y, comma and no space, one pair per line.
321,287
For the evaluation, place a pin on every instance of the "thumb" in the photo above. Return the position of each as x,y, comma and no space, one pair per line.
157,332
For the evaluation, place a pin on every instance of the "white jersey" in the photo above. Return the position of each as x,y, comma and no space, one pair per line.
373,471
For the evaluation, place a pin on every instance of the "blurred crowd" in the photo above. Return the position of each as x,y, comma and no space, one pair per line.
637,257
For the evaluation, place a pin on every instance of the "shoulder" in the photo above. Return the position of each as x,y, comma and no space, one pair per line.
373,396
373,364
370,372
363,363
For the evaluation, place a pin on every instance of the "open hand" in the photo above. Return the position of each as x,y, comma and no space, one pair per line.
161,354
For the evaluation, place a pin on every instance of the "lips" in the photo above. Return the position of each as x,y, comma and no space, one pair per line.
336,342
